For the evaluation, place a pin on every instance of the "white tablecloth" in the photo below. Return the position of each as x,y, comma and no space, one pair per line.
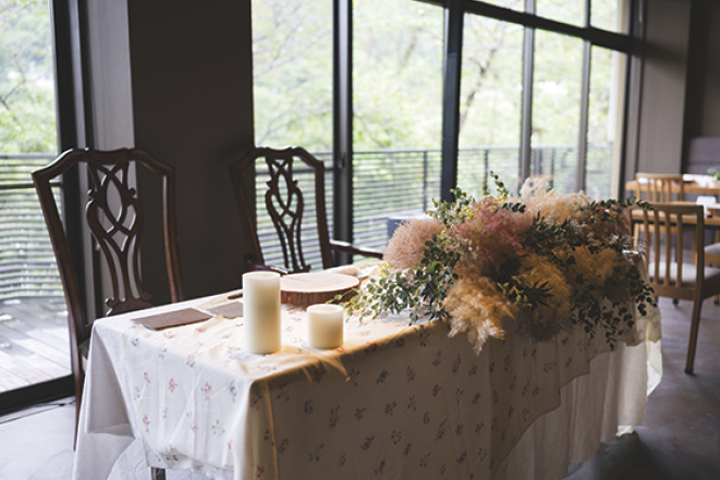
396,401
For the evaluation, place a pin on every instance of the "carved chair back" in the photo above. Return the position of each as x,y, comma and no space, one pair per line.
115,217
285,204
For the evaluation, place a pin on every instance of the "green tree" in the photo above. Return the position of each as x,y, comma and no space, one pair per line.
27,94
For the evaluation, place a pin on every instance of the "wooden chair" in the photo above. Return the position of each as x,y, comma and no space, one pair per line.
659,187
712,257
115,217
285,203
670,275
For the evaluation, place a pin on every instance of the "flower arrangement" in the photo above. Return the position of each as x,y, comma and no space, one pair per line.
543,262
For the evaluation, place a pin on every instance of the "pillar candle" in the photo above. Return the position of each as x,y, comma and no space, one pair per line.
325,325
261,298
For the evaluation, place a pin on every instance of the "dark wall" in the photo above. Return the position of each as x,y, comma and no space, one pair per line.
193,109
702,113
710,125
660,128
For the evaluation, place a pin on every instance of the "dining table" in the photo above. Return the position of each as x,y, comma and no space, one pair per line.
706,187
397,400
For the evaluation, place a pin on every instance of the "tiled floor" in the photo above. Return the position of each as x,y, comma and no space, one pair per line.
679,439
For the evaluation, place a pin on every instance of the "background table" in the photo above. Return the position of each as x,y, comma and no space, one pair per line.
396,401
693,188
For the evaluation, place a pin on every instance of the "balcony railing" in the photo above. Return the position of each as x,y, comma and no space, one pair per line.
27,262
387,184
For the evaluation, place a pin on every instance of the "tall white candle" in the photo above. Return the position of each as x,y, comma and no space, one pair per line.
261,298
325,325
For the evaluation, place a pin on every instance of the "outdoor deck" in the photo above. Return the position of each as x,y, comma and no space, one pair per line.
34,341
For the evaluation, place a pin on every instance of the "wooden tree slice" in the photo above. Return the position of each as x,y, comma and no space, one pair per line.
310,288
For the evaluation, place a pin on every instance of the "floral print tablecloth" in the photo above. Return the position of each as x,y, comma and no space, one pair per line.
395,401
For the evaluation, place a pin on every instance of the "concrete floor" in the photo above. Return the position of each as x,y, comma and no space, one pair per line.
679,439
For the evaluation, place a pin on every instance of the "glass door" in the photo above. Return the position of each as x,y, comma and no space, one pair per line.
34,335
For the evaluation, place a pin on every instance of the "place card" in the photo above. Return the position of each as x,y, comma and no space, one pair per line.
173,319
232,309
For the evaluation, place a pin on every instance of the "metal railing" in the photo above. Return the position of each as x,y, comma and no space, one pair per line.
388,184
27,262
391,184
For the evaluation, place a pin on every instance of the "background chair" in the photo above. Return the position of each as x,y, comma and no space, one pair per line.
659,187
712,257
285,204
115,217
670,274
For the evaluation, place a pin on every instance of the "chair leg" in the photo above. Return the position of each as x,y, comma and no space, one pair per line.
694,326
157,473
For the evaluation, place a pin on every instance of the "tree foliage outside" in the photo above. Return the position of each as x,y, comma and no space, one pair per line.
27,92
293,73
397,76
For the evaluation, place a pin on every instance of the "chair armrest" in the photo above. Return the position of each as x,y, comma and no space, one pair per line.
346,247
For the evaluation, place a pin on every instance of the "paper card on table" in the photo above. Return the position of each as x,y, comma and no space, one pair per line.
227,310
173,319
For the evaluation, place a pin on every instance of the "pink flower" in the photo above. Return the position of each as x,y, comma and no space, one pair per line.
407,245
206,388
491,234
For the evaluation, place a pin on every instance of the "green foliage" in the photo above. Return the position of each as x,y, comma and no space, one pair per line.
522,291
397,59
27,95
452,213
425,288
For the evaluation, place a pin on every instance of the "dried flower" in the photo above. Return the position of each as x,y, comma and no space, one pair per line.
478,308
547,261
491,235
554,207
407,245
544,319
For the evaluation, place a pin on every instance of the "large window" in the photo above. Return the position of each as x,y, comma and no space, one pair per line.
490,102
537,92
556,87
397,110
557,98
293,94
34,343
397,53
604,120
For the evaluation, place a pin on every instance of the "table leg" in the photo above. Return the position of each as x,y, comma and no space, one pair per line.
157,473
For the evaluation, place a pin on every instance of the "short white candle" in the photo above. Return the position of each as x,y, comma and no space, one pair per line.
325,325
261,298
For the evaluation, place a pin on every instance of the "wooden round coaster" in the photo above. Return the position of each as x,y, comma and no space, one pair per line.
310,288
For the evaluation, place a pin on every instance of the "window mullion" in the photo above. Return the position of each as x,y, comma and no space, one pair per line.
342,126
527,100
451,97
584,112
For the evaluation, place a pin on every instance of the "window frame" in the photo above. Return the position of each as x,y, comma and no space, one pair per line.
591,36
455,10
